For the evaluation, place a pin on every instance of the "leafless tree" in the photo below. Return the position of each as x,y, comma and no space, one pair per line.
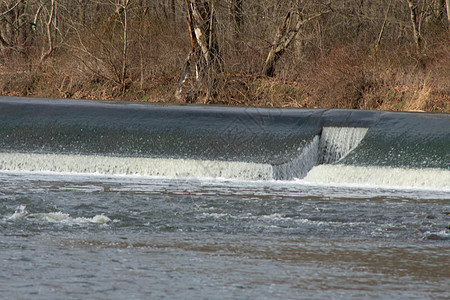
286,33
203,62
14,26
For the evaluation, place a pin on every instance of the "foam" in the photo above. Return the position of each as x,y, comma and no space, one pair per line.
60,217
19,213
55,217
108,165
380,176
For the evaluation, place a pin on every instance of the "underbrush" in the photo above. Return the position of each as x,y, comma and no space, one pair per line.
385,79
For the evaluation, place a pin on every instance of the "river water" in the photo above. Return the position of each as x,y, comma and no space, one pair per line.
98,237
115,201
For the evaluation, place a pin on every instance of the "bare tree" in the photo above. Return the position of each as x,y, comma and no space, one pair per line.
284,37
416,24
10,9
123,7
377,43
420,12
203,62
50,26
14,31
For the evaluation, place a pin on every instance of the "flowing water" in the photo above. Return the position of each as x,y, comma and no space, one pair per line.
112,201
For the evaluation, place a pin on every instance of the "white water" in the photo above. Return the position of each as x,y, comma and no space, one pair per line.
21,212
379,176
337,142
334,144
183,168
299,166
108,165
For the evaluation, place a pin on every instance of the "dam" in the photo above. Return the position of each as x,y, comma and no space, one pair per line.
221,142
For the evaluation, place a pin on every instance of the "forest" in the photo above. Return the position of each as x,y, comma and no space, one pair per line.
357,54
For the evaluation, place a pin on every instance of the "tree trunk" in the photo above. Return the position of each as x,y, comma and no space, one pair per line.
124,45
173,11
203,62
448,10
82,11
380,35
415,25
50,38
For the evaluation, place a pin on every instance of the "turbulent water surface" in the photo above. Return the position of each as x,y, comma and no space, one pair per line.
77,236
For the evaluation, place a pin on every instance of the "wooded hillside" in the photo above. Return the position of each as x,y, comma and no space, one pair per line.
363,54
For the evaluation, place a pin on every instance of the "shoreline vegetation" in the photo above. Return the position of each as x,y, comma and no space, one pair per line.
375,55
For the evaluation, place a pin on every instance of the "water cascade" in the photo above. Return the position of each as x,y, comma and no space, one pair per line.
330,146
336,142
333,144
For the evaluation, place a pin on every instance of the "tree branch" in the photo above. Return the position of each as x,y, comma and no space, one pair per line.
38,12
11,9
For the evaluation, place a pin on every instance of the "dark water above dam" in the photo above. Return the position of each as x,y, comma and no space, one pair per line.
108,200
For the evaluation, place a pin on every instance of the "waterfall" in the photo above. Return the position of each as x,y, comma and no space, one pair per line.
337,142
109,165
333,144
299,166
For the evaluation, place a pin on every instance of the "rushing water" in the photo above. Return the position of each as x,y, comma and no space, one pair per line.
76,236
215,204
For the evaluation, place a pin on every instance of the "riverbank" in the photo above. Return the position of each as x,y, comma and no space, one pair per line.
243,91
343,77
339,82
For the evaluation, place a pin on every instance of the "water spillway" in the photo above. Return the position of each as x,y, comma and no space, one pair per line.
245,143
